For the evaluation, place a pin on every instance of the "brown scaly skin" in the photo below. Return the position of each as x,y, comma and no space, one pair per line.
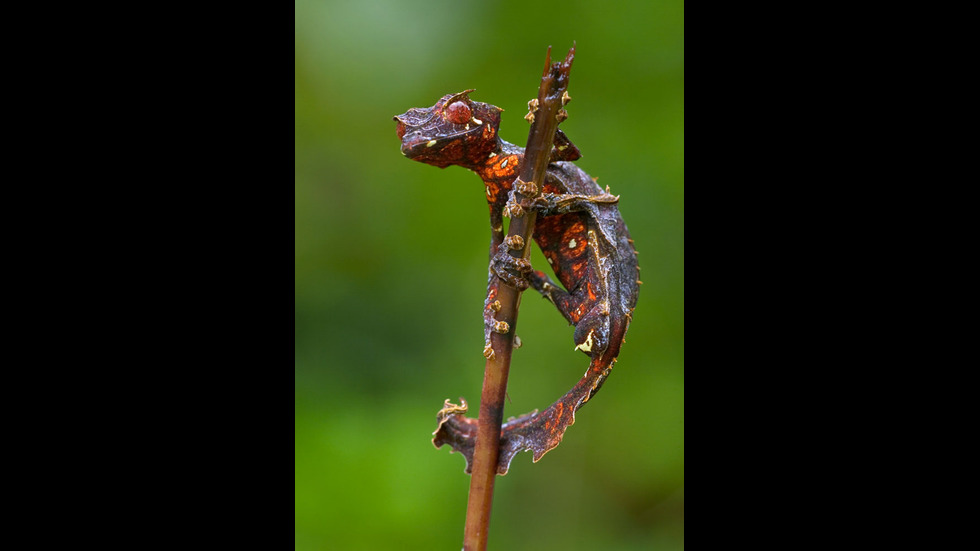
578,229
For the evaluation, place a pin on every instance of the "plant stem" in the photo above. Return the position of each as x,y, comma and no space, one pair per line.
554,82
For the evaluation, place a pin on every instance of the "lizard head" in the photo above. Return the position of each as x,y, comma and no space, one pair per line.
454,131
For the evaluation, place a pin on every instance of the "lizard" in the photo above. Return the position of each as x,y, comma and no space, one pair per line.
581,234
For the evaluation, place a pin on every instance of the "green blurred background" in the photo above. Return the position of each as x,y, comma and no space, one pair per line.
391,263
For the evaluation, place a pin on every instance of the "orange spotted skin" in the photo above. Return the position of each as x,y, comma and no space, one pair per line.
578,229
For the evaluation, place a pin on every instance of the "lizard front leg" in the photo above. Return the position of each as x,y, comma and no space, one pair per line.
514,271
548,204
491,305
490,324
511,270
503,267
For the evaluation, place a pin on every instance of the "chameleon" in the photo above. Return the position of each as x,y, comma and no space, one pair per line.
581,234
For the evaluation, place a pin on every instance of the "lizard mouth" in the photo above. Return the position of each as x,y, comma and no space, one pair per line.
429,137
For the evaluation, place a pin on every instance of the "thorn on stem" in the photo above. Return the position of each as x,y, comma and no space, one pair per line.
515,242
513,210
527,189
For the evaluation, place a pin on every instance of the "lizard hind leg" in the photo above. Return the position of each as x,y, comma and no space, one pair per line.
588,315
568,305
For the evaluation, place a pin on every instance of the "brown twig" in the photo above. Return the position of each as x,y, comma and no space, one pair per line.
545,117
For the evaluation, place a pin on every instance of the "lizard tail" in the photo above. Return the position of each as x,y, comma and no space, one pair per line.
539,432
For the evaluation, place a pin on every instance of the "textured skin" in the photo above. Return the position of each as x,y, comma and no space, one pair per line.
580,232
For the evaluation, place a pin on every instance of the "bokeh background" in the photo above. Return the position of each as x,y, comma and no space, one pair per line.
391,263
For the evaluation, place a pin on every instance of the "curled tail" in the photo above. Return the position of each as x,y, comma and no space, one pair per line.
539,432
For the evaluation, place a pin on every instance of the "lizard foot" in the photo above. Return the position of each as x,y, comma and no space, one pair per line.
504,266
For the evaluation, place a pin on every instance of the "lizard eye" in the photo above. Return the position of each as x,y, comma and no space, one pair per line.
458,112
